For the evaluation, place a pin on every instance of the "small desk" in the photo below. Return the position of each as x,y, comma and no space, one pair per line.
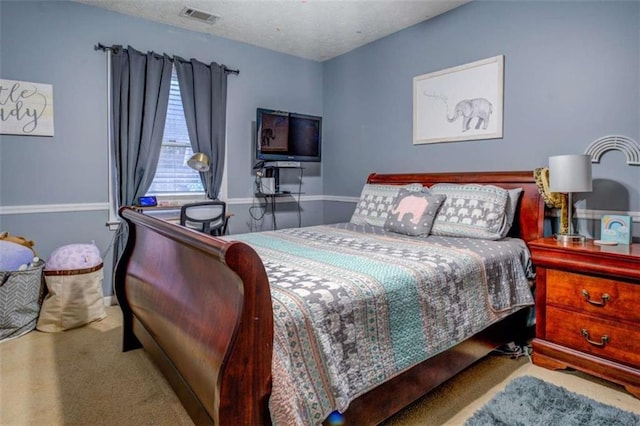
172,214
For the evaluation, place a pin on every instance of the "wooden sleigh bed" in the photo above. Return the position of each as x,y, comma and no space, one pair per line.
201,307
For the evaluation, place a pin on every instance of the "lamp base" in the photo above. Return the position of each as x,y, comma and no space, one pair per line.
570,238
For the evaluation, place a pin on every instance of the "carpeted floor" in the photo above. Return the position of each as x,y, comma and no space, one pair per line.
81,377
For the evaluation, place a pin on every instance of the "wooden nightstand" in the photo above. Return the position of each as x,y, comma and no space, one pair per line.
588,309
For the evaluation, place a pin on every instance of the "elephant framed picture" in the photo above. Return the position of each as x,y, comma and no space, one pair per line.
462,103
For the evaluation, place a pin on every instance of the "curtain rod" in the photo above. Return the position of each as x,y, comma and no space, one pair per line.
102,47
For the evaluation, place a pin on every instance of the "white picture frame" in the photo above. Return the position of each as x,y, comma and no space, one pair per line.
462,103
26,108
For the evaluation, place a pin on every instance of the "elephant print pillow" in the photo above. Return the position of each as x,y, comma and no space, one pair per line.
376,201
472,211
413,213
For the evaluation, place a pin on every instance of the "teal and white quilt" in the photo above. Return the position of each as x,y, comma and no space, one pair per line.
355,305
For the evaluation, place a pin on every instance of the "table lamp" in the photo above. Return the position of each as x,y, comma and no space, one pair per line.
199,162
569,174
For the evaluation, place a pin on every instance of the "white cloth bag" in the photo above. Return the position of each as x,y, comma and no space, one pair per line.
75,298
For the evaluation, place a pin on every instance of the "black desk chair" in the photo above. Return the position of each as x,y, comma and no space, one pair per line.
209,217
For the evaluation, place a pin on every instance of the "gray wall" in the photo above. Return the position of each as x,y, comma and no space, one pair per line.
571,76
53,43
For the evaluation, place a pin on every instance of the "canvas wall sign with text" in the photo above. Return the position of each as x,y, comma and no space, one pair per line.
26,108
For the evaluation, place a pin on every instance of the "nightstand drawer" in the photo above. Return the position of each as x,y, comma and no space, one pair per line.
599,337
589,294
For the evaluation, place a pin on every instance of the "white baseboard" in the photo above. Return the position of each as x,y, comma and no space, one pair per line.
110,300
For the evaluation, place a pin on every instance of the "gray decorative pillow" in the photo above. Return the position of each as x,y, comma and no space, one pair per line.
376,201
512,205
472,210
413,212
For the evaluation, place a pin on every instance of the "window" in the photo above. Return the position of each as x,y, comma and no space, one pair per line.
173,175
174,182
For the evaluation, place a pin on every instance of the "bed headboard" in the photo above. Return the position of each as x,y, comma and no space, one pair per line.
529,222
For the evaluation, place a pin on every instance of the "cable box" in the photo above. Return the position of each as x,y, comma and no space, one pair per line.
282,164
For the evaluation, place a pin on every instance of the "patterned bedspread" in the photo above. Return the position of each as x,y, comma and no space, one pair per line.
355,305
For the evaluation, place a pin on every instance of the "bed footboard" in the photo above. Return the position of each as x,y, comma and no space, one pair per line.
202,309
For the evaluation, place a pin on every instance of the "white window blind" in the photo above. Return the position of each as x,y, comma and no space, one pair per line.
173,175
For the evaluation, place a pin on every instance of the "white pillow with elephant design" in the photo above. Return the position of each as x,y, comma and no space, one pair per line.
471,210
376,201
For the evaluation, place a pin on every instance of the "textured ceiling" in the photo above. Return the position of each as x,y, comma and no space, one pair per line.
311,29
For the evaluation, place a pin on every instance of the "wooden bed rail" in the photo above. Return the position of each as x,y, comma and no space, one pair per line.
165,281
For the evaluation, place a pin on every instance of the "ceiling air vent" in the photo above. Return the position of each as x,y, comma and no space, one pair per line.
199,15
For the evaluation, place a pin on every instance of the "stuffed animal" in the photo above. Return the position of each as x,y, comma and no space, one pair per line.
16,253
18,240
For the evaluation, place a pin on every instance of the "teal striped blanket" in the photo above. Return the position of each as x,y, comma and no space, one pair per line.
355,305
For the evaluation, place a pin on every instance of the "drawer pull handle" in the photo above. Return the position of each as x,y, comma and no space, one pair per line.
605,298
603,340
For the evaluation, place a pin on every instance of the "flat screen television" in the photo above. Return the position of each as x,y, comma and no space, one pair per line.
287,136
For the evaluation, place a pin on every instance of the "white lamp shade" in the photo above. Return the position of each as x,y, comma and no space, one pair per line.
570,173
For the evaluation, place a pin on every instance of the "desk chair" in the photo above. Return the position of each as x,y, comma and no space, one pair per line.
209,217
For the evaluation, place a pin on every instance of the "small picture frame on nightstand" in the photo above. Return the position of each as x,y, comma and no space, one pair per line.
615,228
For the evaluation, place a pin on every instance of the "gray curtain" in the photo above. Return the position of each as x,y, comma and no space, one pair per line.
204,98
140,95
139,99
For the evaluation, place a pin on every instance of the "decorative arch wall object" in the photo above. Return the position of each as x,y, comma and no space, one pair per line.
628,146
